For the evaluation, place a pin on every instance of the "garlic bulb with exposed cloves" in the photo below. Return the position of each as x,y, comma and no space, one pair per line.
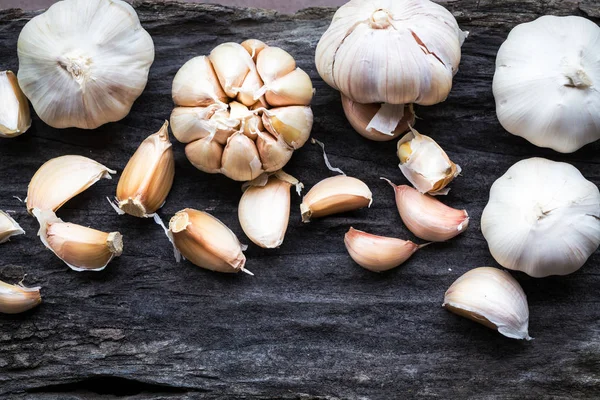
543,218
546,82
242,110
83,63
391,52
15,118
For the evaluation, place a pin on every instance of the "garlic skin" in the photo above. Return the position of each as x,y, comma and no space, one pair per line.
428,218
425,164
88,71
81,248
61,179
15,118
335,195
148,177
378,253
16,299
543,218
8,227
546,82
360,115
493,298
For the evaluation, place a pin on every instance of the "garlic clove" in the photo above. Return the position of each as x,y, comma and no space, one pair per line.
293,89
273,63
206,242
61,179
252,126
15,118
254,47
241,161
335,195
493,298
8,227
232,63
293,124
378,253
205,154
425,164
147,179
81,248
196,84
193,123
250,87
15,299
274,153
428,218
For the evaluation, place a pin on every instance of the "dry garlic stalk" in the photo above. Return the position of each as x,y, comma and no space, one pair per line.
14,107
425,164
242,110
61,179
360,117
493,298
8,227
81,248
427,217
83,63
378,253
15,299
148,176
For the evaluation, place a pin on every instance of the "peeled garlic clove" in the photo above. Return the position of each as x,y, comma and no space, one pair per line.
197,85
147,179
425,164
205,154
15,299
61,179
241,161
81,248
254,47
274,153
493,298
378,253
335,195
206,242
232,63
293,89
273,63
8,227
427,217
15,118
192,123
293,124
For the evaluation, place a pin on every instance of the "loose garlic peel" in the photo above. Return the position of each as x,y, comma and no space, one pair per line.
81,248
543,218
8,227
242,110
15,118
61,179
83,63
493,298
15,299
391,52
546,82
425,164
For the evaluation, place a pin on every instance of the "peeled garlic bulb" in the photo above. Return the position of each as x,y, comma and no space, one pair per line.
15,118
83,63
543,218
8,227
15,299
250,90
493,298
546,82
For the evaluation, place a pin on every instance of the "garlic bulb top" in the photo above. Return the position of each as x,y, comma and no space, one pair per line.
543,218
546,82
83,63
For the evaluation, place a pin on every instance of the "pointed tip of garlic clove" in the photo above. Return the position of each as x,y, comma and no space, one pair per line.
15,118
9,227
16,299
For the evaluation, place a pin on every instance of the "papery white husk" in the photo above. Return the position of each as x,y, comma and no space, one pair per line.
543,218
8,227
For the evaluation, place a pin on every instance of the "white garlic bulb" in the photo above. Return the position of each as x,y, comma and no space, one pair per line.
543,218
393,52
83,63
546,82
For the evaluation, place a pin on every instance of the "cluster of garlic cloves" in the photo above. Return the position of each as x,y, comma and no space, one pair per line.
8,227
15,118
16,299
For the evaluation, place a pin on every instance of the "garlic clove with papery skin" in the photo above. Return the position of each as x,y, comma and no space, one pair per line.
8,227
196,84
241,160
274,153
193,123
205,154
16,299
293,89
493,298
232,64
254,47
292,123
273,63
15,118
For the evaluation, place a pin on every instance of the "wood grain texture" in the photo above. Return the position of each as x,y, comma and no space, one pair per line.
311,323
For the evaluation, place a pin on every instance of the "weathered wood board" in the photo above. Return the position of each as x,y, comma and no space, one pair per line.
311,323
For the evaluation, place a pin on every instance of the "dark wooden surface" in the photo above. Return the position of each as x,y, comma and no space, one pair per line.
311,323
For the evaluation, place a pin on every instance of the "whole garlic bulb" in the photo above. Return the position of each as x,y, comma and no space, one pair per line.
242,110
543,218
83,63
546,82
393,52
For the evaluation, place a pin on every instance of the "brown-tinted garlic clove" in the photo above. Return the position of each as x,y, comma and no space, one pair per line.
197,85
428,218
61,179
293,89
273,63
293,124
81,248
335,195
15,299
205,154
241,161
193,123
8,227
232,63
254,47
206,242
15,118
274,153
148,176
